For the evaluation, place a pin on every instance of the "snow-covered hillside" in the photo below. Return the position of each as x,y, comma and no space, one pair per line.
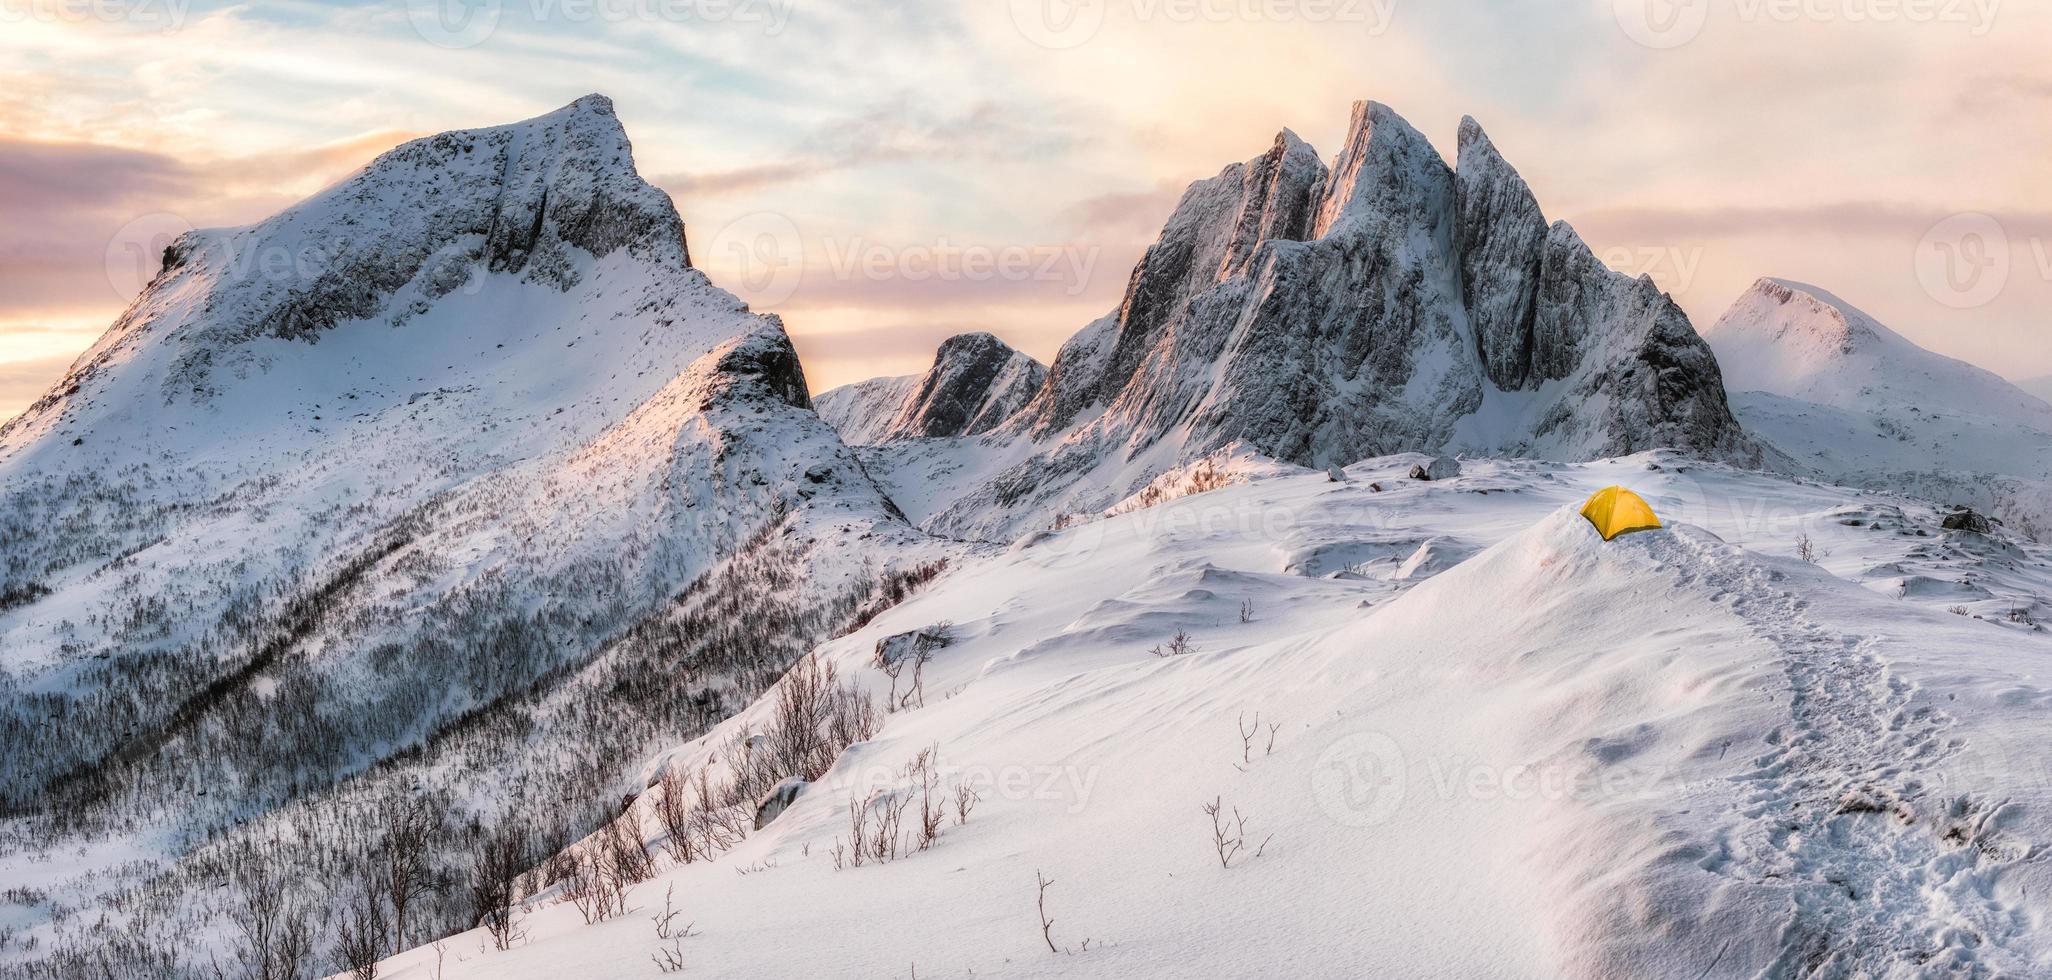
373,477
1856,402
1320,314
1447,729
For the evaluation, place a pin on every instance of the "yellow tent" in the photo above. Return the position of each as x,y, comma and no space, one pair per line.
1615,511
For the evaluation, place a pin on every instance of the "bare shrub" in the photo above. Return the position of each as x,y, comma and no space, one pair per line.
1229,835
363,936
966,799
1178,645
496,863
1046,922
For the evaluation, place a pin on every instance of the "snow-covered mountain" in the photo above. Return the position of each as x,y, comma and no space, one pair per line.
443,572
1321,314
423,453
976,382
1855,401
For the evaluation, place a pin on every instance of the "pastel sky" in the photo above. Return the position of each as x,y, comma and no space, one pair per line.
885,174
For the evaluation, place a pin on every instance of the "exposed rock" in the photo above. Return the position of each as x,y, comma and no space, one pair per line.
1440,468
778,799
1965,519
975,384
1502,237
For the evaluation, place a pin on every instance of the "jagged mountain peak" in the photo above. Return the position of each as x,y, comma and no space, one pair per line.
1502,237
1320,315
1383,155
976,382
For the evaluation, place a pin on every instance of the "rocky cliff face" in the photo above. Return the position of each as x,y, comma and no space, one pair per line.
976,382
1386,303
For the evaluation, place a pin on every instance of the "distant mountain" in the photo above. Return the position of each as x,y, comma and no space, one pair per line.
976,382
1857,402
1322,314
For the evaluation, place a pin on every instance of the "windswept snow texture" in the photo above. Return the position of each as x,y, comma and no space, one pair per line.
1322,314
1685,753
1859,404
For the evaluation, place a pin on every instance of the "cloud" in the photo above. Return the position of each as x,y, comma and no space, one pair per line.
896,131
22,382
1862,218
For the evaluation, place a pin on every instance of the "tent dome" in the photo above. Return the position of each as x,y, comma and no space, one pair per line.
1615,511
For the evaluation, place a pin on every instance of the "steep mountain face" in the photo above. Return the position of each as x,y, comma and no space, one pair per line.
352,480
1860,404
976,382
1320,315
863,411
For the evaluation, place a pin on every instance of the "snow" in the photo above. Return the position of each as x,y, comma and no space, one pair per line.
1851,400
1683,753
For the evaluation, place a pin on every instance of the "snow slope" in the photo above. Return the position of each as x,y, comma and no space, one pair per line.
1683,753
1858,403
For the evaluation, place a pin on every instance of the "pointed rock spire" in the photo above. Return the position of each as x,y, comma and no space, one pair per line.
1502,236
